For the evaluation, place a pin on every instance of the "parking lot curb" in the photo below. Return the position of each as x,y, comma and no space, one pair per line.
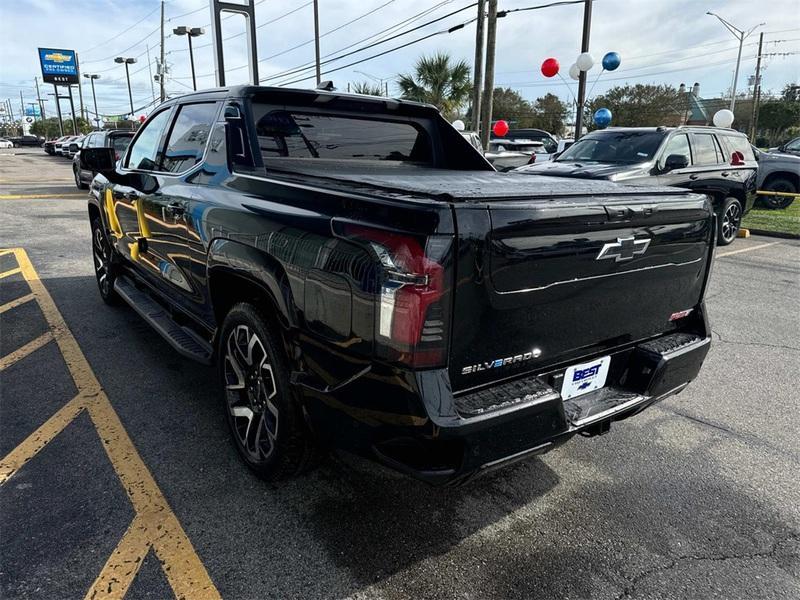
776,234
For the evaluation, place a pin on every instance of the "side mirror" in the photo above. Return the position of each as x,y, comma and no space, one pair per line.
676,161
99,160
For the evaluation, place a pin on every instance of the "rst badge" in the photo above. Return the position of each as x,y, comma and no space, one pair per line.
623,249
585,378
502,362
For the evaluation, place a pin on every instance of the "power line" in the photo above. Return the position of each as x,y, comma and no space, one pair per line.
377,43
124,31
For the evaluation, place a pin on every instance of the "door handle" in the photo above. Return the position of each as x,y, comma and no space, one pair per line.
725,173
694,177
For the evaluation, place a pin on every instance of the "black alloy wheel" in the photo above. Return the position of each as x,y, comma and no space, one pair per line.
263,416
730,222
104,267
778,185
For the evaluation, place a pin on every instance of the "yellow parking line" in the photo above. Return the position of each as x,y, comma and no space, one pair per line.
4,252
29,448
29,348
123,564
154,522
10,272
748,249
15,303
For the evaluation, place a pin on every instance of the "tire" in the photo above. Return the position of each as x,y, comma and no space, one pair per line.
104,263
78,182
730,220
778,184
255,389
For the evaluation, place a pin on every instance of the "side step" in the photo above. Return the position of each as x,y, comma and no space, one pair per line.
183,339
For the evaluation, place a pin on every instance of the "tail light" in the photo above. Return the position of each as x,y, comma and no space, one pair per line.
412,293
737,158
532,159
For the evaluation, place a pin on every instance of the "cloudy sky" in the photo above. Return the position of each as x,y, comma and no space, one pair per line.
661,41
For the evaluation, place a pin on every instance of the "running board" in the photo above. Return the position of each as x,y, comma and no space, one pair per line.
181,338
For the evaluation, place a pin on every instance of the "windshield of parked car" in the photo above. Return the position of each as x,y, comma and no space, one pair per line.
617,147
295,134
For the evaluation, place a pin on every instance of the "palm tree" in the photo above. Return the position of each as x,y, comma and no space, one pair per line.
367,88
438,81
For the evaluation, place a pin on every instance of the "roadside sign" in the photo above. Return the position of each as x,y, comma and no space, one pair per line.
59,66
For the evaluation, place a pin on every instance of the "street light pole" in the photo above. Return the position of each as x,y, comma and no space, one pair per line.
126,62
740,35
92,77
316,40
190,32
581,100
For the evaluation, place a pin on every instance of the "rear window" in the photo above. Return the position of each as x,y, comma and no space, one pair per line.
738,143
289,134
120,143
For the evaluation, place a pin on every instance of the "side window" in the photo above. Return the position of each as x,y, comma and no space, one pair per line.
188,137
705,150
794,145
678,144
144,153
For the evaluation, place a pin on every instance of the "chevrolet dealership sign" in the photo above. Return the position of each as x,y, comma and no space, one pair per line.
59,66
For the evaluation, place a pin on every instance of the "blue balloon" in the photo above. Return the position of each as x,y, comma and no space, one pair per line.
611,61
602,118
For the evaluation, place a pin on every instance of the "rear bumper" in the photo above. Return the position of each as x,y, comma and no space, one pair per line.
527,416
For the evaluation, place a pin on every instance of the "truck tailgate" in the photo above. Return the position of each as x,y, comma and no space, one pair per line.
554,281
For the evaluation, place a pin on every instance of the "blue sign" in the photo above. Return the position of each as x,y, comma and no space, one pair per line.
33,111
59,66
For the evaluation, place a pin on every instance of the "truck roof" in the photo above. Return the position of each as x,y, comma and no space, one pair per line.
301,96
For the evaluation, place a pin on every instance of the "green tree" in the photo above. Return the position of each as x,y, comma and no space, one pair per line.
776,118
639,105
48,128
439,81
509,105
366,88
550,114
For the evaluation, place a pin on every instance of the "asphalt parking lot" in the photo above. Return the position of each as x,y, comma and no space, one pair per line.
118,479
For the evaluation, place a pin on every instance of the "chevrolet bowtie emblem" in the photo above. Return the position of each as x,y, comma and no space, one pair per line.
623,249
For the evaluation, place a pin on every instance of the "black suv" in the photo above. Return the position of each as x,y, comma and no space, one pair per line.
713,161
26,140
116,139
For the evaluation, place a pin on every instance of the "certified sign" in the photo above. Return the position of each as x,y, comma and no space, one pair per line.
59,66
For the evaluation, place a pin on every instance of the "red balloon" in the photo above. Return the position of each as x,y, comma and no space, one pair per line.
550,67
500,128
142,118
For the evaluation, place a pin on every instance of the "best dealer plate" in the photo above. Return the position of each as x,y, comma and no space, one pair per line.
585,378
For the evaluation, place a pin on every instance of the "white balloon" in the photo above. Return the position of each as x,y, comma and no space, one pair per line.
723,118
585,61
575,72
459,125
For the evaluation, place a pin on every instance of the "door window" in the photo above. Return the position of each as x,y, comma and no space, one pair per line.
678,144
705,150
144,153
187,140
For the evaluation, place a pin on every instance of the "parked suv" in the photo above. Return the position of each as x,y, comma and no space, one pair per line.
118,140
26,140
777,172
710,160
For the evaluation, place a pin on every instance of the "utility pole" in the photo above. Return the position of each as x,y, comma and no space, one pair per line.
488,82
478,69
162,66
80,88
39,98
21,105
756,91
581,100
150,71
316,39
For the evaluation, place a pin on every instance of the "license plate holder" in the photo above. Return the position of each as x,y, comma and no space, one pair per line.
585,377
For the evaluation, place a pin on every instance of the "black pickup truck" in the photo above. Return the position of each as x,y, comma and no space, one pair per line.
364,279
